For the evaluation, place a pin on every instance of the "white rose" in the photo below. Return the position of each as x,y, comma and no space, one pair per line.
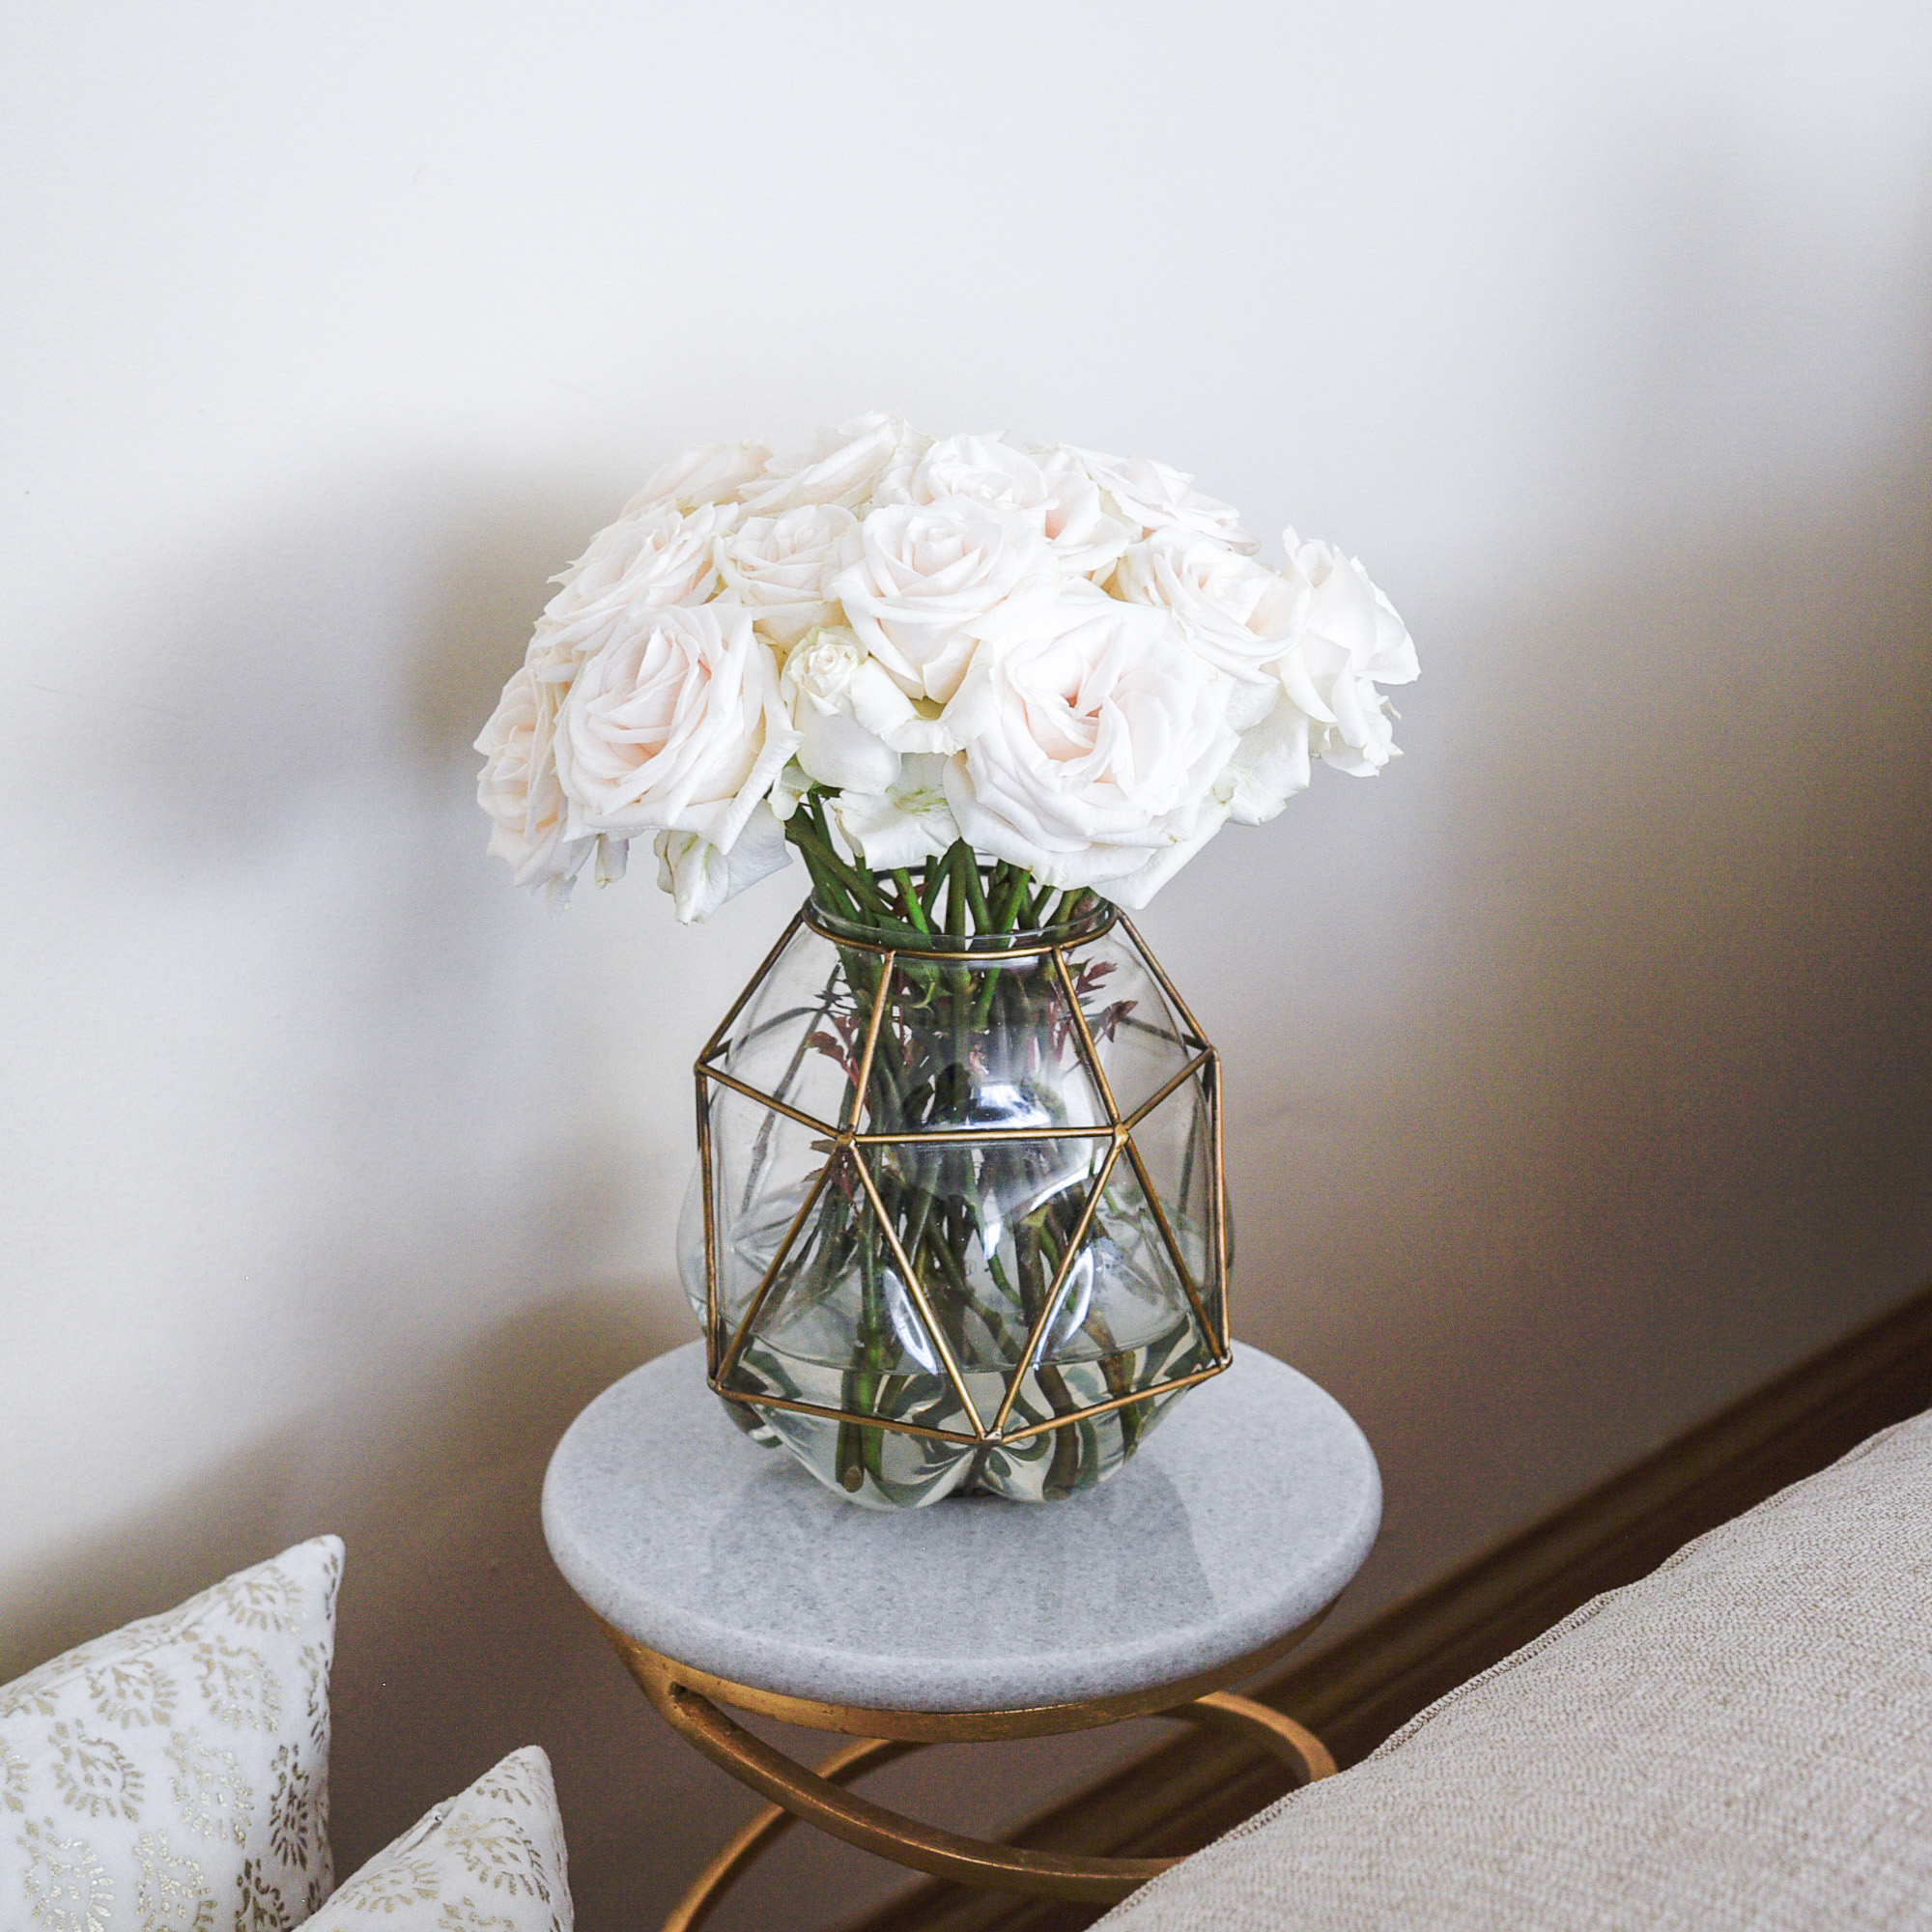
639,563
834,748
518,788
841,467
927,581
852,721
1054,494
1085,538
1239,614
777,567
1351,641
675,725
1152,497
713,474
988,469
1093,739
901,823
1269,766
700,878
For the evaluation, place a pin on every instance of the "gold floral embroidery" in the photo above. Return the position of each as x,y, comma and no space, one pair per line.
131,1691
153,1633
465,1914
293,1826
94,1775
26,1698
237,1684
315,1687
13,1778
331,1583
67,1888
172,1894
262,1908
216,1800
320,1856
398,1886
266,1598
502,1784
497,1852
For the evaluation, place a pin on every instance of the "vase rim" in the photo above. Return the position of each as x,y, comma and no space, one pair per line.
1017,944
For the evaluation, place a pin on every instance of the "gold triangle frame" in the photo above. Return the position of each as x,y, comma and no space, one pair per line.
845,1143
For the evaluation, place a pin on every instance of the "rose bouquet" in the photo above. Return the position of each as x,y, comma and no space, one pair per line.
958,1219
891,653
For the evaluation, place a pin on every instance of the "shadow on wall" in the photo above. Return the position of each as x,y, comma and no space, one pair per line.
452,1144
1641,1110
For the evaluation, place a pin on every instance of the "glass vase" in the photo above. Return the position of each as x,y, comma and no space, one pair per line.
959,1221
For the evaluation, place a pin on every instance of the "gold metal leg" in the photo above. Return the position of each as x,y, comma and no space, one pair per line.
818,1797
771,1824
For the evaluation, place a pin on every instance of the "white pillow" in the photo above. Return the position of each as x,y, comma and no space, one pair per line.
490,1860
174,1775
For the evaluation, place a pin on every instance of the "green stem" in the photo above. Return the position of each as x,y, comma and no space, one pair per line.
976,897
955,897
1016,899
826,887
915,906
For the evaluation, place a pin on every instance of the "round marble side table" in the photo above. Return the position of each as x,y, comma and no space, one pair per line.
723,1574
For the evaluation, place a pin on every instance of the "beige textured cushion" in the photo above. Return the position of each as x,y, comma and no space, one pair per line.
490,1860
1743,1739
173,1777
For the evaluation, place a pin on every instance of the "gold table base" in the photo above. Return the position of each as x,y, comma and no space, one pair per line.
688,1699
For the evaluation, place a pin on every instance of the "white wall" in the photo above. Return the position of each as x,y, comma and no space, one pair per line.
1579,1065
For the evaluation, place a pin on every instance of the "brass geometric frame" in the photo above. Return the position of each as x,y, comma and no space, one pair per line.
845,1147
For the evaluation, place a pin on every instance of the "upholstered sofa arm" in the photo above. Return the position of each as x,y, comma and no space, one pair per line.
1743,1739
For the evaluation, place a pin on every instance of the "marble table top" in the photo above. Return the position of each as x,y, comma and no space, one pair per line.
1244,1514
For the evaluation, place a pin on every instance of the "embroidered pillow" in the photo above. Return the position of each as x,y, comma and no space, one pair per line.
490,1860
173,1777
